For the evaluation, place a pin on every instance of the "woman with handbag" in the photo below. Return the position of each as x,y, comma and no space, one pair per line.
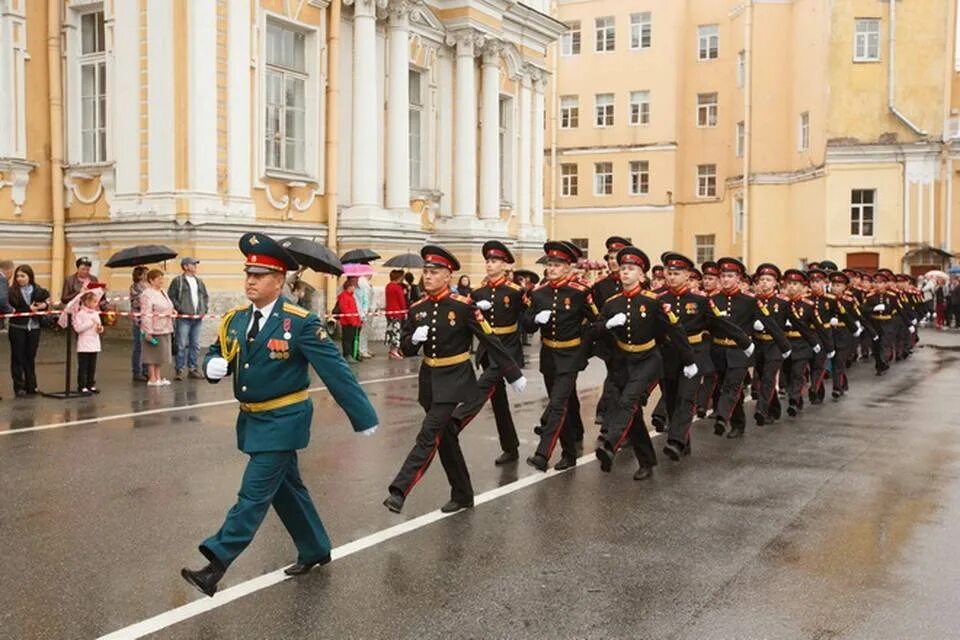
156,327
26,297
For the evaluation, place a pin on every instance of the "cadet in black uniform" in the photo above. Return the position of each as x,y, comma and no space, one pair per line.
882,308
829,314
444,323
604,347
804,329
709,286
502,303
768,359
559,308
846,331
637,320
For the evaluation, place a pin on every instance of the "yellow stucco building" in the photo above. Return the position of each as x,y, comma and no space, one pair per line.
843,115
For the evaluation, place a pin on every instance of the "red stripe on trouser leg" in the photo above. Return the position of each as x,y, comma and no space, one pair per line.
560,427
468,419
423,468
626,432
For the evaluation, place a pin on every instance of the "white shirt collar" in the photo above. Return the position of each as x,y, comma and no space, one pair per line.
266,310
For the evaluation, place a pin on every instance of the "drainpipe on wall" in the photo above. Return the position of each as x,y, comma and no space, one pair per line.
748,131
58,241
332,143
891,77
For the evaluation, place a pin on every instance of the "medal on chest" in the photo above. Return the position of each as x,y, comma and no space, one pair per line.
643,311
287,325
506,301
452,317
279,349
566,303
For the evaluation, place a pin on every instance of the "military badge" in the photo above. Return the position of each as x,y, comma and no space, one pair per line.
691,308
643,311
566,303
421,315
452,317
506,301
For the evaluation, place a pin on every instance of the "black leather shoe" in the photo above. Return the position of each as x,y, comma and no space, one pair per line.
736,432
538,462
643,473
538,430
673,450
507,457
566,462
792,411
835,394
301,568
701,414
658,424
205,580
759,419
606,459
453,506
720,427
394,502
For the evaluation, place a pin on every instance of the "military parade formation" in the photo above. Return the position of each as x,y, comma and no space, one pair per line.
706,336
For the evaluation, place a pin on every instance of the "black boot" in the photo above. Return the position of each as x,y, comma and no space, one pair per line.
394,502
674,450
205,580
643,473
301,568
456,505
736,432
566,462
605,456
538,462
507,457
720,427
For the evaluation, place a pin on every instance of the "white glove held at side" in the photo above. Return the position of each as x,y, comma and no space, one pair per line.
369,432
834,322
788,323
519,384
749,350
757,325
690,371
617,321
543,317
831,354
786,354
880,308
420,335
217,368
484,305
817,348
912,329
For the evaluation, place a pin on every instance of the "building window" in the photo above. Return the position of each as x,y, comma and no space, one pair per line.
285,79
569,112
415,145
706,109
639,178
640,107
708,42
603,178
866,46
605,32
862,207
706,181
741,68
569,179
581,243
506,126
738,215
570,41
741,138
93,88
603,110
803,135
640,30
705,247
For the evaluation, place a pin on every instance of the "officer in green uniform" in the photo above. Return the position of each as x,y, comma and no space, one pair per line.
268,347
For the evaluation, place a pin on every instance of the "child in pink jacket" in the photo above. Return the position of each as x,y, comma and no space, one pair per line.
87,324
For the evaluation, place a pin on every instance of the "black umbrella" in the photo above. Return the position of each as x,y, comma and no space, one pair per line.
140,254
405,261
313,255
359,255
529,275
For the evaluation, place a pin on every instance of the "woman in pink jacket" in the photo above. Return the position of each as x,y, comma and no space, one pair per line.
86,322
156,327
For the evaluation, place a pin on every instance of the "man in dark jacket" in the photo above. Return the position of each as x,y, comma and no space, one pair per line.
190,298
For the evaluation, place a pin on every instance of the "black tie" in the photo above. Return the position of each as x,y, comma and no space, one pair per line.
255,327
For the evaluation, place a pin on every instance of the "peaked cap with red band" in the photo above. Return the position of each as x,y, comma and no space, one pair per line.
496,249
265,255
562,251
633,255
731,265
710,268
696,275
768,269
438,257
816,275
615,243
657,271
794,275
672,260
904,277
840,277
853,273
829,265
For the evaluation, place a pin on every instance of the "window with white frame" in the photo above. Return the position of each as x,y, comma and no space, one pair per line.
506,159
569,112
416,122
581,243
862,208
570,40
569,179
603,110
708,42
639,107
641,29
706,109
93,88
741,138
738,215
705,247
706,181
639,177
866,45
603,178
803,132
605,33
285,82
741,68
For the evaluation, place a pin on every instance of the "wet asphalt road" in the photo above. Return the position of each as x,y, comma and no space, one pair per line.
842,524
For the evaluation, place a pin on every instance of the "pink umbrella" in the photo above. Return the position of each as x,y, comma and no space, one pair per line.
357,269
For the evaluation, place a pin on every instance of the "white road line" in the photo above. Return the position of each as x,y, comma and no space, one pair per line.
197,607
186,407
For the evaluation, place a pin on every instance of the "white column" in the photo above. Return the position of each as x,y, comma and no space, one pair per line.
124,96
202,96
465,113
523,162
539,84
363,133
398,119
490,132
239,148
160,92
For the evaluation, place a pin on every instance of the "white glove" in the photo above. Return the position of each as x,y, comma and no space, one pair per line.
834,322
856,334
817,348
880,308
420,335
788,323
690,371
786,354
543,317
757,325
749,350
911,329
484,305
217,368
369,432
617,321
831,354
914,322
519,384
876,337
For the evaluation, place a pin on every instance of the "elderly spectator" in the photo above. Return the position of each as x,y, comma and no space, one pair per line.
363,292
396,311
76,282
25,296
156,325
136,288
190,298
